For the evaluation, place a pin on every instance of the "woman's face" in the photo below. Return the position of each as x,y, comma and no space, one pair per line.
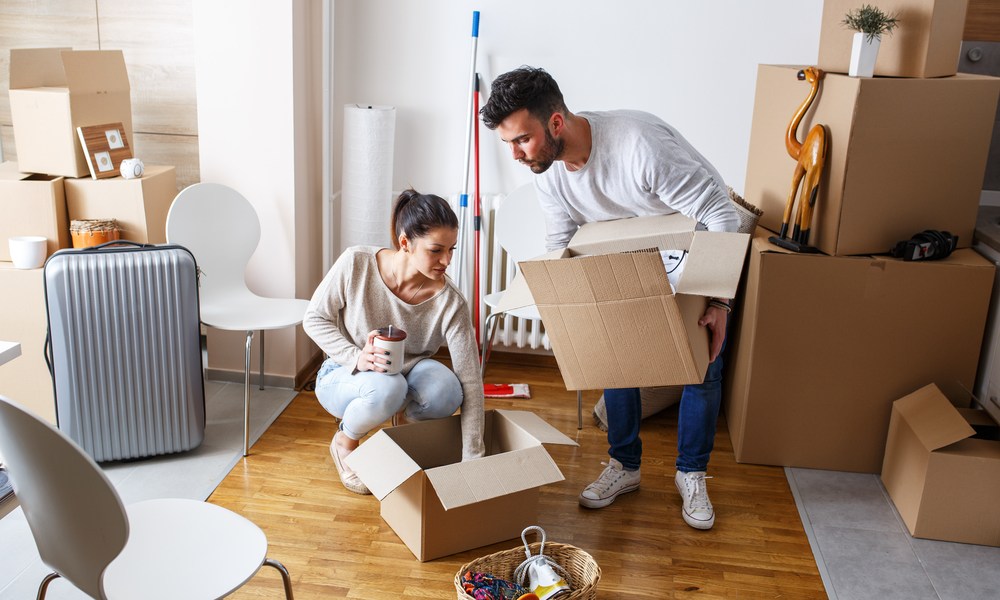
431,254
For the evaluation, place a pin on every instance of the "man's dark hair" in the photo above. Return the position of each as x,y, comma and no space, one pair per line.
524,87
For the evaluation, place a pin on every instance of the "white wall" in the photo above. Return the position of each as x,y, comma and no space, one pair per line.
691,63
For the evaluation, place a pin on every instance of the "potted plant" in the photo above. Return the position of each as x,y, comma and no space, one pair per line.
869,22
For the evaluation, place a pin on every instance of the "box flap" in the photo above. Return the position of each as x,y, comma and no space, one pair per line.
381,464
517,294
666,232
536,427
36,67
94,71
933,418
465,483
601,278
714,264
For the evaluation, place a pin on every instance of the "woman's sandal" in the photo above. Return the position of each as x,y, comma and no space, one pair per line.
349,478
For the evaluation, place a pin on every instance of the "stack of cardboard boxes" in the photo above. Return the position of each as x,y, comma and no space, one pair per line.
826,342
52,92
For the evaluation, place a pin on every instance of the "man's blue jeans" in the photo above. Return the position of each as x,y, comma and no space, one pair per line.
696,419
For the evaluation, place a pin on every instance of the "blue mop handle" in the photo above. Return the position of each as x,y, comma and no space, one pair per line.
475,23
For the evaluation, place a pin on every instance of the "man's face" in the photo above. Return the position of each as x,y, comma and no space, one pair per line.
530,141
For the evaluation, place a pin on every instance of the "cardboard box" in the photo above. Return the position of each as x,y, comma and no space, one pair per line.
55,90
823,345
439,505
926,43
904,155
140,205
32,205
609,310
944,483
26,379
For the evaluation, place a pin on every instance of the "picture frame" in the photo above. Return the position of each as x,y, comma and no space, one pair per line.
105,147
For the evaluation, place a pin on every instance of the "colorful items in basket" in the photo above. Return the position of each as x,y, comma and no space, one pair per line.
540,574
484,586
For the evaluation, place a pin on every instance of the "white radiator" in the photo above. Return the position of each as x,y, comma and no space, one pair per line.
495,272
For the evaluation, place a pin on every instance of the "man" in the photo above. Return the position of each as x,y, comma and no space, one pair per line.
598,166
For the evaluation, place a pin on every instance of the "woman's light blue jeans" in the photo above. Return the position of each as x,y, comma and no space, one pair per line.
364,400
696,419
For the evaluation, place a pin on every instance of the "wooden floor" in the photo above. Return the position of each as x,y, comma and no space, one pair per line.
336,546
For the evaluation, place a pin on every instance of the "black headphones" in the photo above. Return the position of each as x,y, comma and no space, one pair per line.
929,244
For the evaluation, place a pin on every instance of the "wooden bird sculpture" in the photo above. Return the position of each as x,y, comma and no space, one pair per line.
810,158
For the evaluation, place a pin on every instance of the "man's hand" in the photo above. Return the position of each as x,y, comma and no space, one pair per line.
715,319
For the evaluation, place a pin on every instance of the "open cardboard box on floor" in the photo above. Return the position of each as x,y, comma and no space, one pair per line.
944,481
439,505
609,310
825,344
32,205
55,90
904,155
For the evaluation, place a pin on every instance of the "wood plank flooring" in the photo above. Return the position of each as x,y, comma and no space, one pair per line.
336,546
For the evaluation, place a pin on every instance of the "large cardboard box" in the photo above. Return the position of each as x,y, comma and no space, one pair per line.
25,379
944,481
55,90
825,344
926,43
610,311
140,205
439,505
904,155
32,205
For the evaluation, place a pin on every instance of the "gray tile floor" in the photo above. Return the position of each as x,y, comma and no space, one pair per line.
863,550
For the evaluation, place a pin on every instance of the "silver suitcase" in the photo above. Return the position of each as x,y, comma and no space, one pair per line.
124,349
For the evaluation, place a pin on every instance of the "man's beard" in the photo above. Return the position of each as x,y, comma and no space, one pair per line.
553,148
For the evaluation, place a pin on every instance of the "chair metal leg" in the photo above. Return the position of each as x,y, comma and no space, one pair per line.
44,586
579,409
491,327
285,579
261,380
246,396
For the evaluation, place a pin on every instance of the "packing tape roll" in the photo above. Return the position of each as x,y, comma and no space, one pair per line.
366,192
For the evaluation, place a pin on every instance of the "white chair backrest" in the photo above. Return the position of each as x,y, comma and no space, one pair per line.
75,515
220,227
520,224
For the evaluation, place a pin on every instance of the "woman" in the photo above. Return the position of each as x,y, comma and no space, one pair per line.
405,286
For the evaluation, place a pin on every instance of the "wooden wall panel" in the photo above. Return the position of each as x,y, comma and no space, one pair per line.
33,24
181,151
157,39
982,21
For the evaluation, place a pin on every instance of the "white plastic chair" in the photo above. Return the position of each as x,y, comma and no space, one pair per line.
519,226
220,227
163,548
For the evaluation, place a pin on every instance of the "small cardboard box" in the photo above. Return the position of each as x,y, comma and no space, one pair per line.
140,205
904,155
439,505
609,310
944,483
926,43
824,345
55,90
32,205
26,379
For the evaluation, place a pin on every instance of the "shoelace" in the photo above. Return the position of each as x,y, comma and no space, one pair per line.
608,477
699,497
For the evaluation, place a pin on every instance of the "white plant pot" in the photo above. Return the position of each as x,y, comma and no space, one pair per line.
863,55
28,251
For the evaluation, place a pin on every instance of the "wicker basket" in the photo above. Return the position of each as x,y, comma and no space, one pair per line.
583,570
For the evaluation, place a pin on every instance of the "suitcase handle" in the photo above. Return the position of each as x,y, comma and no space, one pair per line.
99,247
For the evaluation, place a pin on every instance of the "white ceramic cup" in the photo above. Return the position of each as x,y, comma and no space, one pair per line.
395,344
28,251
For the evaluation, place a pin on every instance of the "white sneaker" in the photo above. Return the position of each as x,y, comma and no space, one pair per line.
698,511
614,481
